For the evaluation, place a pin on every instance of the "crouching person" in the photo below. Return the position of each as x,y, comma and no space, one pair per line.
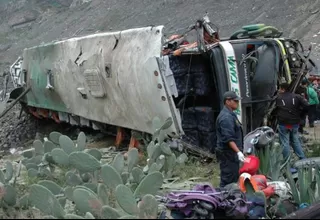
229,140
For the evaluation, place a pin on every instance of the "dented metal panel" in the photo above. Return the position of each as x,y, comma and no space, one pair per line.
112,78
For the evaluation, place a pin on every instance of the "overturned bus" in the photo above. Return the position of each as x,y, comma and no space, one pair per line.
124,79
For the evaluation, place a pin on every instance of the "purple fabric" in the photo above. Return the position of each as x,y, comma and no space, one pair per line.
234,203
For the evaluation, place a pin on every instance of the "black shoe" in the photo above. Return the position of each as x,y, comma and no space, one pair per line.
311,126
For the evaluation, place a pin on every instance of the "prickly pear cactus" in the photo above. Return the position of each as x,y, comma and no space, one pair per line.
110,176
73,179
54,137
103,194
32,173
45,201
94,152
148,207
81,141
84,162
38,147
133,158
149,185
73,216
48,146
10,195
89,216
9,171
66,144
137,174
87,201
118,162
54,188
60,157
108,212
28,153
126,199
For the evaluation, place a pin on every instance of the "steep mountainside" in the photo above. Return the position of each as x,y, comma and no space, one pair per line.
26,23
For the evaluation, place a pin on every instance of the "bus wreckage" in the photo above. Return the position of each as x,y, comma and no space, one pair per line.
120,81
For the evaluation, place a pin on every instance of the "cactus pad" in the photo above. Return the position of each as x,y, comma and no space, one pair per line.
137,174
32,173
118,162
10,195
54,137
92,186
126,199
153,168
109,213
38,147
149,185
133,158
60,157
165,148
81,141
94,152
73,216
48,146
36,159
182,158
103,194
52,186
28,153
44,172
62,201
156,123
31,165
66,144
9,171
85,177
161,160
85,188
150,148
170,163
73,179
45,201
48,158
86,201
2,177
156,153
23,202
89,216
148,207
110,176
125,176
68,192
84,162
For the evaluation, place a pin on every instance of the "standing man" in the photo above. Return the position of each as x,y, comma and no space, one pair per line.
313,100
229,140
289,107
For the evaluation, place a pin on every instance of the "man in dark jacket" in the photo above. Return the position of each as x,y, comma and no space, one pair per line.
289,107
229,140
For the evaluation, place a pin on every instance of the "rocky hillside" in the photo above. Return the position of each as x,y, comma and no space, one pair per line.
25,23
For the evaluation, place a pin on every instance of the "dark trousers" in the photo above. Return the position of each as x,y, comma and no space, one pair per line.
229,167
312,114
318,112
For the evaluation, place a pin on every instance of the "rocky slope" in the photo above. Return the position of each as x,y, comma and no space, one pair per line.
26,23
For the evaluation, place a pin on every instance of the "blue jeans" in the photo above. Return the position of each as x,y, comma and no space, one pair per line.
289,136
